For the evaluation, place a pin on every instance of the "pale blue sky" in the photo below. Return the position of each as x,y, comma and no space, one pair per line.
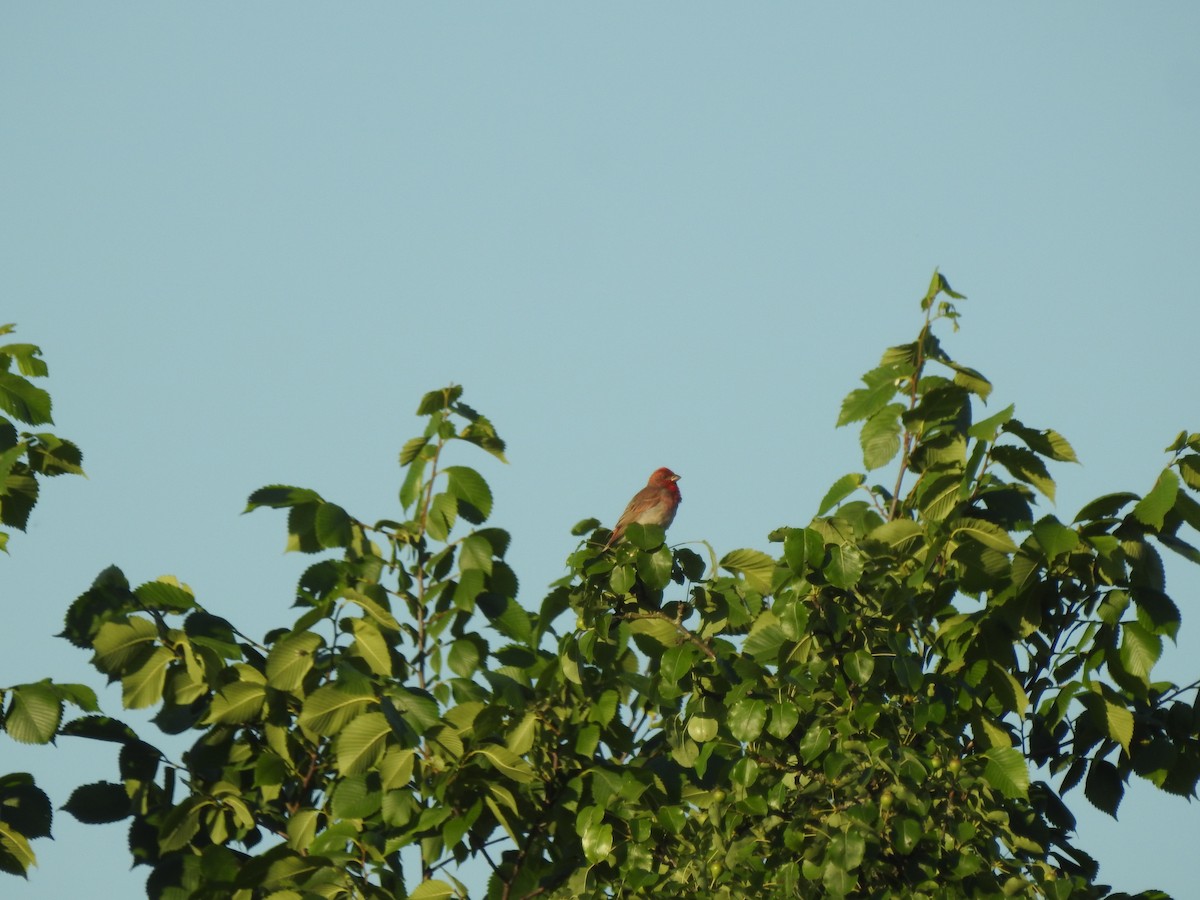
248,237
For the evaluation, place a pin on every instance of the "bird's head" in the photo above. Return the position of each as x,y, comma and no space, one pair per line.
663,477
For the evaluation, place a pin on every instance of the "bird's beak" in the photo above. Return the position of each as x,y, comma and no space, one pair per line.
674,477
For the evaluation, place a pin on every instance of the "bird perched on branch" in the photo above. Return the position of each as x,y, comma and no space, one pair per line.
655,504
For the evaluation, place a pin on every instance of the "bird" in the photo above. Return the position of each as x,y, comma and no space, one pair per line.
655,504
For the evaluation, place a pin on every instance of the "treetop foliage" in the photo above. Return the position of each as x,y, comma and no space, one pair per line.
895,698
25,456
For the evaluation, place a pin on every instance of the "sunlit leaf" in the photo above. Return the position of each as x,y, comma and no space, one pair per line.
1007,772
1152,508
754,565
986,533
839,491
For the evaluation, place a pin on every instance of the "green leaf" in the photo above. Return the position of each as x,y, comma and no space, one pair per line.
1189,468
34,713
880,436
443,512
908,672
672,818
656,627
938,497
412,449
676,663
507,616
475,552
438,400
16,856
361,743
865,402
1007,688
597,841
28,358
1183,548
986,533
117,643
585,526
507,763
1105,507
8,459
1025,466
803,549
418,708
521,738
747,718
371,647
355,797
467,485
939,285
99,803
784,718
142,686
969,379
645,537
166,594
291,659
414,479
327,710
900,535
1140,650
1055,538
1007,772
754,565
1151,509
302,828
483,435
1048,443
815,742
237,703
23,401
100,728
847,849
902,357
744,772
845,566
1104,787
839,491
381,615
765,638
465,657
281,496
434,889
26,806
987,429
654,569
859,665
53,456
906,834
333,526
1115,720
1156,611
837,881
622,579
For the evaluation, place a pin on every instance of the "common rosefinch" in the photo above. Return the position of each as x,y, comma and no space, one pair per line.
655,504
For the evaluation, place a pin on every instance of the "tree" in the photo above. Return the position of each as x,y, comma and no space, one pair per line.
854,714
32,712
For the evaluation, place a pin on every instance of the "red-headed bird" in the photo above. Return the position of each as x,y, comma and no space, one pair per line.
655,504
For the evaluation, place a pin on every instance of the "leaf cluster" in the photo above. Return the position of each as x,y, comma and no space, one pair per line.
895,700
26,456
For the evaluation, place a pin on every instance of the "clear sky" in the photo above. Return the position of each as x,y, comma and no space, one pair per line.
250,236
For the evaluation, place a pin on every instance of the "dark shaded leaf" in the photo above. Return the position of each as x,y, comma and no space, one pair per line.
95,804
